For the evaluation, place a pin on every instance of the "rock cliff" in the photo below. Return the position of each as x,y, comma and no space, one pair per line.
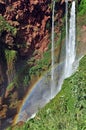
31,19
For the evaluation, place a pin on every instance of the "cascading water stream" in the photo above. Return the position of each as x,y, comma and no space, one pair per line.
66,1
52,50
63,75
70,42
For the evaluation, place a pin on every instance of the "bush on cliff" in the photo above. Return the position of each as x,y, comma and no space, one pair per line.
82,7
5,26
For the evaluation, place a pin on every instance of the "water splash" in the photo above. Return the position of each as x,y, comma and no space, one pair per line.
70,42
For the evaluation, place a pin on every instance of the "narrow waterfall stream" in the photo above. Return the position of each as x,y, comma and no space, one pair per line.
42,92
66,41
52,49
70,41
52,52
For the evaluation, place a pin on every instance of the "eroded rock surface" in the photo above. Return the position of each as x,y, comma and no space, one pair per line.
31,19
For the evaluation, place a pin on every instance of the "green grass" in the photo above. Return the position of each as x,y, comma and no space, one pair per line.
67,111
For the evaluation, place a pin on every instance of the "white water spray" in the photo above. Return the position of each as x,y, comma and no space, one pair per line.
70,42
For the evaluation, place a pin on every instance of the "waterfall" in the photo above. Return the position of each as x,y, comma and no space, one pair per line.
70,41
70,46
52,49
66,42
52,52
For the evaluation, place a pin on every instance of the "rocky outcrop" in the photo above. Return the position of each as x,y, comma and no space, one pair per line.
30,18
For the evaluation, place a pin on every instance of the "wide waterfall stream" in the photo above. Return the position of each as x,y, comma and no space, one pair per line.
70,41
42,90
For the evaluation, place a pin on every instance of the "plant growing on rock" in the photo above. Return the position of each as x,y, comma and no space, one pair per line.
5,26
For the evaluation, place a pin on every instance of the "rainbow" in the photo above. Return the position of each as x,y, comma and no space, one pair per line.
28,94
38,95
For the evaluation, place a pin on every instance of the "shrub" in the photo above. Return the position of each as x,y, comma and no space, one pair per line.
5,26
82,7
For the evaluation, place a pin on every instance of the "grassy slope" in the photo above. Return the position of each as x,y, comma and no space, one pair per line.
67,111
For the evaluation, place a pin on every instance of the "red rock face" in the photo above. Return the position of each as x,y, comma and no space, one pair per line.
30,17
34,2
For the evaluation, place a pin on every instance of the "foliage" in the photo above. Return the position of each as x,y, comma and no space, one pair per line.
10,56
26,80
22,77
82,7
41,65
11,85
5,26
67,111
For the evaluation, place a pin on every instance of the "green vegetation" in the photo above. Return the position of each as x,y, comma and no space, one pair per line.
10,55
67,111
10,86
22,78
82,7
32,68
42,64
5,26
